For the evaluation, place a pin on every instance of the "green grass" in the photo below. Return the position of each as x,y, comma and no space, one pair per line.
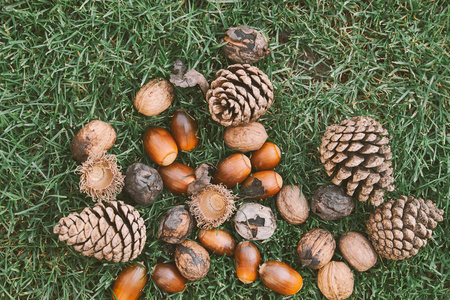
65,63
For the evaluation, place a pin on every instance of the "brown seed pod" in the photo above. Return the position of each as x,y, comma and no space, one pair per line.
100,177
130,282
247,259
292,205
266,158
232,170
212,206
271,181
143,183
175,225
357,251
280,277
176,177
154,97
217,240
254,221
167,277
184,130
160,146
331,203
94,137
335,281
245,45
192,260
247,137
316,248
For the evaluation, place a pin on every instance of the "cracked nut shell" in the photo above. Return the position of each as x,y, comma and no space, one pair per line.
316,248
175,225
192,260
143,183
331,203
254,221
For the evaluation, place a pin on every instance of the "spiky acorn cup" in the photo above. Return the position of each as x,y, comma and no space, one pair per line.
100,177
112,231
399,228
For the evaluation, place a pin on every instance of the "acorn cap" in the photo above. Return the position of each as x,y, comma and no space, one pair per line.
100,177
212,206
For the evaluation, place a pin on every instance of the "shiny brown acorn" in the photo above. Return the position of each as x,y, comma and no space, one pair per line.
176,177
266,158
192,260
271,181
160,146
217,240
280,277
184,130
247,259
130,282
232,170
167,277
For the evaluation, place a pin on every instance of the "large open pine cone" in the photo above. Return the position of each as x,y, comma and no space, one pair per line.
399,228
239,95
112,231
356,154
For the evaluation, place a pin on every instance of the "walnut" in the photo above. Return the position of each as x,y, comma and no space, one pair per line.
248,137
292,205
143,183
357,251
331,203
335,281
154,97
316,248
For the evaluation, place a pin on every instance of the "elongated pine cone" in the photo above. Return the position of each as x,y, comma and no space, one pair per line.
357,155
112,231
239,95
399,228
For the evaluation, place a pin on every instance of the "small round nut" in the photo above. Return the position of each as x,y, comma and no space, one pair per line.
248,137
143,183
154,97
175,225
192,260
292,205
335,281
316,248
357,251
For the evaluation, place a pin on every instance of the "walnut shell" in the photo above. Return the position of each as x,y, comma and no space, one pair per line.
95,137
154,97
192,260
335,281
292,205
316,248
248,137
357,251
331,203
143,183
175,225
254,221
244,45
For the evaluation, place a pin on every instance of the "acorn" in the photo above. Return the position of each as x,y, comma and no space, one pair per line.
154,97
130,282
176,177
247,259
271,181
192,260
160,146
212,206
217,240
280,277
232,170
175,225
316,248
266,158
167,277
101,177
96,136
184,130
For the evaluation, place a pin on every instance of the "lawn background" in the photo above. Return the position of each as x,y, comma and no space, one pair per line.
66,63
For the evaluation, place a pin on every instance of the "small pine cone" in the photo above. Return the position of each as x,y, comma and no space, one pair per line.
356,154
239,95
399,228
112,231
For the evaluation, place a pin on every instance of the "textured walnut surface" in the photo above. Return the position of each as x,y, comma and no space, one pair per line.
143,183
331,203
112,231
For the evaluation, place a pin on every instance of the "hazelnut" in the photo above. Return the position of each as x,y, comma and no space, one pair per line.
143,183
232,170
266,158
218,241
271,181
192,260
167,277
280,277
247,259
335,281
154,97
292,205
316,248
160,146
247,137
357,251
130,282
177,177
331,203
175,225
254,221
184,130
93,138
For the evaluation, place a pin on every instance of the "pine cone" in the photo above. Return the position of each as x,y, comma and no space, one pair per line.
356,154
239,95
113,231
399,228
